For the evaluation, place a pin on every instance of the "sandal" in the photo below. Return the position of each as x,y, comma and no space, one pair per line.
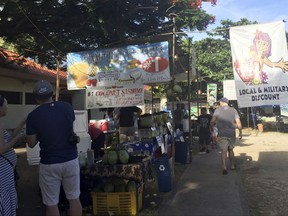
224,172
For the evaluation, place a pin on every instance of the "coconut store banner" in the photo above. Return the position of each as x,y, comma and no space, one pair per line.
147,63
120,96
260,64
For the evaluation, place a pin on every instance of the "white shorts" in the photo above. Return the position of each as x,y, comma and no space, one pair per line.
52,175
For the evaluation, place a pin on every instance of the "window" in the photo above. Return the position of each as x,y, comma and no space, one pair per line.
29,99
12,97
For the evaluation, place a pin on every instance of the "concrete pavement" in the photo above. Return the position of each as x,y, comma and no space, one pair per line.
200,189
204,190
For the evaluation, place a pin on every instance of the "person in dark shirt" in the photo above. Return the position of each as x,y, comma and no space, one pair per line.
204,130
125,117
51,124
178,117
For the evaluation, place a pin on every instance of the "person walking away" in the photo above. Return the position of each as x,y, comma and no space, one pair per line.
227,119
98,140
8,159
204,130
125,117
178,117
51,124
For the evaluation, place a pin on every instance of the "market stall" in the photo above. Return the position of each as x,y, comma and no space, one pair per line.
115,78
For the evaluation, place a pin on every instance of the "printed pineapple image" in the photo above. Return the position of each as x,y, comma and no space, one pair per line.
92,72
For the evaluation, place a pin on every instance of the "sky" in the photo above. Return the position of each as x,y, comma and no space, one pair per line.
262,11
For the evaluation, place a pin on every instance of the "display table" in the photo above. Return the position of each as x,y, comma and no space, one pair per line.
138,171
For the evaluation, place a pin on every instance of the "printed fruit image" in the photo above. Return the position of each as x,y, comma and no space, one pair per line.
78,72
94,82
155,64
92,70
135,63
88,82
91,82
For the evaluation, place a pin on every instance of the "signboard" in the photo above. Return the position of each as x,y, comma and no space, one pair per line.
121,96
229,89
211,93
260,64
284,109
147,63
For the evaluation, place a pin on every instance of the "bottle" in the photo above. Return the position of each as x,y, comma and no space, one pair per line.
111,124
82,159
90,157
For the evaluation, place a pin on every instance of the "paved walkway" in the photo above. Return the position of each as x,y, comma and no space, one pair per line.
203,190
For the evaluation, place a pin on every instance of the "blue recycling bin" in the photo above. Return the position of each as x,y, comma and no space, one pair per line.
181,150
164,173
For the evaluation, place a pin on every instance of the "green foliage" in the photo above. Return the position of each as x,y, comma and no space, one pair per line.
53,27
223,30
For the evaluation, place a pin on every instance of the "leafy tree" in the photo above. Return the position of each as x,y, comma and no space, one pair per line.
223,30
57,27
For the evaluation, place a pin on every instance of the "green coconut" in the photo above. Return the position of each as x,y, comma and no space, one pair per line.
131,186
112,157
169,93
123,156
105,158
108,187
120,188
177,88
118,181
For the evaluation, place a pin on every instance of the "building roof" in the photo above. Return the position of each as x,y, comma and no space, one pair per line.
11,60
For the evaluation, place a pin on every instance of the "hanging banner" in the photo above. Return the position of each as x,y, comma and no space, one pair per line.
284,109
260,64
121,96
211,93
148,63
229,90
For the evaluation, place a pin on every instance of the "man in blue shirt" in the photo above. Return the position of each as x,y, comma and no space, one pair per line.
51,124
